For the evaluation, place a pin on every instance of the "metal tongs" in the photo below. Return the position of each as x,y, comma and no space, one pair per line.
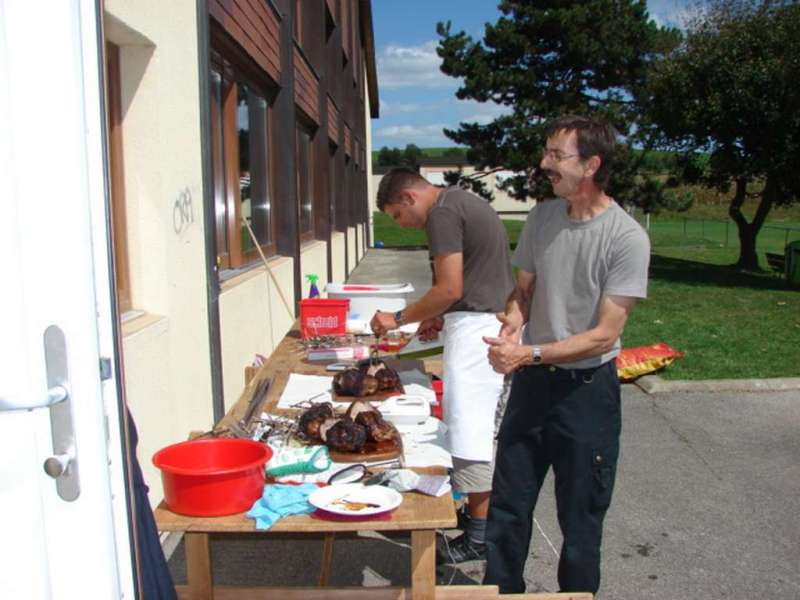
244,423
241,428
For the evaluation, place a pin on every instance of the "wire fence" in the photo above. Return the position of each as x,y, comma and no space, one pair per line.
771,238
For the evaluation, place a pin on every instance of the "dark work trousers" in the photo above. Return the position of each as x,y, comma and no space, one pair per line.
570,420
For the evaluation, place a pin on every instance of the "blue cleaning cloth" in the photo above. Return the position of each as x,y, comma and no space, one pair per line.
278,501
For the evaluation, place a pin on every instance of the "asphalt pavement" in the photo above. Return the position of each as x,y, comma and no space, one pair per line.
706,504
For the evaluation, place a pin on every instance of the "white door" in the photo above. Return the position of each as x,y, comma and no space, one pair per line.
65,536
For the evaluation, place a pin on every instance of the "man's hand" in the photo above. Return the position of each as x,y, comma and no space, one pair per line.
511,328
506,356
429,329
382,322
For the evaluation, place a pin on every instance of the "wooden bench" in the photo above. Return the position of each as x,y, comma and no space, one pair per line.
777,262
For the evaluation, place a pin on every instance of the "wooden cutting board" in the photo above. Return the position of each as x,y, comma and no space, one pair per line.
373,451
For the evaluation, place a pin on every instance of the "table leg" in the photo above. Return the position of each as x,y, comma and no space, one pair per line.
423,564
327,555
198,566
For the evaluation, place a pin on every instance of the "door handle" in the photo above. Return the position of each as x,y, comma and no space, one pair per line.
57,393
63,465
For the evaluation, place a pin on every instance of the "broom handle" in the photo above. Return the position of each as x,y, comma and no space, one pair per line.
269,270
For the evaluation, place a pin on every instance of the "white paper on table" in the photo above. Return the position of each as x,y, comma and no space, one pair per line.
424,445
415,389
316,388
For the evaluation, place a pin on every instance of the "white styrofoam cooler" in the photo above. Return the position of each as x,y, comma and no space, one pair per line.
366,298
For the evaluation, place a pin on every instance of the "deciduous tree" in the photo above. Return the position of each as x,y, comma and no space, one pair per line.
732,89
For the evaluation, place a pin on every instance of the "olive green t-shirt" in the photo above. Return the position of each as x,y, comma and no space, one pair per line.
462,222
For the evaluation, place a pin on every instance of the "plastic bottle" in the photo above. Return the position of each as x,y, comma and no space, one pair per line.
313,292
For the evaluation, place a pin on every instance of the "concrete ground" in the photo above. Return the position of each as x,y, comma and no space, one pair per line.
706,502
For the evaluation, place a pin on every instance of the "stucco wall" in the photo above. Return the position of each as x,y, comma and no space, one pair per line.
351,249
338,241
313,259
253,319
165,350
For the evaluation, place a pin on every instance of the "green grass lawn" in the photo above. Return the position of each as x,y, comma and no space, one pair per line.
729,324
394,236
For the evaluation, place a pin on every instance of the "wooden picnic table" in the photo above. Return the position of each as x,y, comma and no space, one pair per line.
419,514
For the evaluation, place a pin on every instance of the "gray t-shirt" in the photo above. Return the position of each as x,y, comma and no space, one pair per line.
462,222
576,263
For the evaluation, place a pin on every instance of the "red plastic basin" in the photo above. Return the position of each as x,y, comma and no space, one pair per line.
212,478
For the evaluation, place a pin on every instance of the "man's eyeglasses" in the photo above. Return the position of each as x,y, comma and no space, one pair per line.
556,155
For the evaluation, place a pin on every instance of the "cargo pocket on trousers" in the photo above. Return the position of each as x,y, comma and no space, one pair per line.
602,480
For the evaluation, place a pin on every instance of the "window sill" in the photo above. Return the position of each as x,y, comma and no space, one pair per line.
138,321
231,278
310,244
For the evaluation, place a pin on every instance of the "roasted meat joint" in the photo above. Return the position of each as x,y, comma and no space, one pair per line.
367,380
350,432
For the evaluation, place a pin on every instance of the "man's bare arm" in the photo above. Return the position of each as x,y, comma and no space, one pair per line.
447,289
614,311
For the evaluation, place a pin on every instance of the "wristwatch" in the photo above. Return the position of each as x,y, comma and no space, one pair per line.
398,317
536,355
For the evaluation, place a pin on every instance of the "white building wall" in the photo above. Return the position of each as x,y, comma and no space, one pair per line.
166,349
351,249
338,241
253,320
313,259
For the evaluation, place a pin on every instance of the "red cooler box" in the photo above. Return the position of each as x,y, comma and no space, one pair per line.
323,316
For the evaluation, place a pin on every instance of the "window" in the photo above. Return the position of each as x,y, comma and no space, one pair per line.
240,134
305,182
119,232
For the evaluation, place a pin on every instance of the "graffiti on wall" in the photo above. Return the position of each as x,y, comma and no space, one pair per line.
182,211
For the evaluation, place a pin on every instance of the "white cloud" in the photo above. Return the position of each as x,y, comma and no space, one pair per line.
391,108
411,66
421,135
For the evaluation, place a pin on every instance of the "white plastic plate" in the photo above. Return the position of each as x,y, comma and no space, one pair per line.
381,499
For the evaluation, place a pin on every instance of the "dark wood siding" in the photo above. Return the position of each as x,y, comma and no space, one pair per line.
333,121
306,87
347,20
254,27
307,58
348,140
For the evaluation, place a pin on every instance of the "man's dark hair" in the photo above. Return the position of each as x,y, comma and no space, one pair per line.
595,138
395,181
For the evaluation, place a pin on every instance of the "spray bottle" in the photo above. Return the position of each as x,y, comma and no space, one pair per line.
313,292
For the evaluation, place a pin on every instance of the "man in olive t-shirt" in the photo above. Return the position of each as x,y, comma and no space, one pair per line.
472,279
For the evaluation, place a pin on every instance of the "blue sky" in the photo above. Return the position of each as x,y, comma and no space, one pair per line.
417,100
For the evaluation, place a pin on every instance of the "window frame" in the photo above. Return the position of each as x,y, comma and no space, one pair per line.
119,226
237,69
306,187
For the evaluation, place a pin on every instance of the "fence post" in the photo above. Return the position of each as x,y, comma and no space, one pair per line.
702,229
726,232
786,238
684,226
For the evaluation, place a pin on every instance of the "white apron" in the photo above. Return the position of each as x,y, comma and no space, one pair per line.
471,386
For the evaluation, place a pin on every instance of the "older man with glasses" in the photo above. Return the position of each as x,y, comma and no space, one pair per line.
582,263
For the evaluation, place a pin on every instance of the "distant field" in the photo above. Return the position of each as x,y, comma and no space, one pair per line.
729,324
